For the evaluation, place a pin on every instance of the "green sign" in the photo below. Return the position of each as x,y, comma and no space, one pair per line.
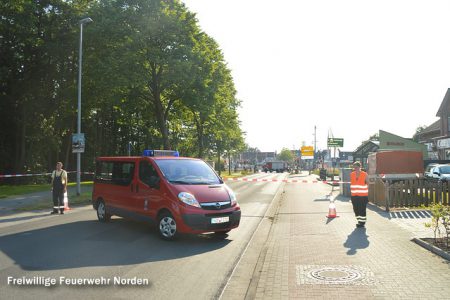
335,142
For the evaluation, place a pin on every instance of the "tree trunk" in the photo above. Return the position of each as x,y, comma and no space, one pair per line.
201,147
22,150
161,120
68,148
160,112
218,161
200,135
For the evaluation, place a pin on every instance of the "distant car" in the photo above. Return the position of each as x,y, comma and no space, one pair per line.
428,169
441,172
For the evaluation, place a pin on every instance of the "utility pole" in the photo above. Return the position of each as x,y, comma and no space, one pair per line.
80,63
315,144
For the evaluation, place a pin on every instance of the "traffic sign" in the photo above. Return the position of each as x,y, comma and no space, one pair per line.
307,151
335,142
78,143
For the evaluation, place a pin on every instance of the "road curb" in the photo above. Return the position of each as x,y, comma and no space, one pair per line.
431,248
245,275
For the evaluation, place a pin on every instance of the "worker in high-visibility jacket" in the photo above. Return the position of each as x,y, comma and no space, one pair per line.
359,189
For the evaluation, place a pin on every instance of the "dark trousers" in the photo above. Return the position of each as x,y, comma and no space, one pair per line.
58,200
359,207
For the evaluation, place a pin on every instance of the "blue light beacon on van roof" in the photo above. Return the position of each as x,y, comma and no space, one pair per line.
161,153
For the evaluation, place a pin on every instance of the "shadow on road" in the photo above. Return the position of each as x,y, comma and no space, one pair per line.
356,240
401,214
330,219
90,243
342,198
322,199
413,214
298,175
14,219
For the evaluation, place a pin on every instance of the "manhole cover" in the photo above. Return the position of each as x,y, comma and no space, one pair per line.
333,275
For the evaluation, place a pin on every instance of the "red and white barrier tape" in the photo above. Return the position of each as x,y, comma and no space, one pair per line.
282,180
23,175
41,174
225,178
85,173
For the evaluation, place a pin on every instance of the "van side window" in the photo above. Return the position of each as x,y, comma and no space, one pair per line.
114,172
103,171
148,174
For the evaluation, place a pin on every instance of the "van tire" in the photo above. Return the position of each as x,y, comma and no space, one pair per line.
167,226
102,215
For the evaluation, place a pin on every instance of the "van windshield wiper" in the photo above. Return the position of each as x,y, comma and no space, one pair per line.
192,182
180,182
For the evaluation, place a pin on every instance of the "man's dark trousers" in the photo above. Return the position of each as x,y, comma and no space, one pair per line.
359,207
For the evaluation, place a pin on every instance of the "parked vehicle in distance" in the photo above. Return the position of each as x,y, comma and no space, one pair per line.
427,173
441,172
277,166
179,194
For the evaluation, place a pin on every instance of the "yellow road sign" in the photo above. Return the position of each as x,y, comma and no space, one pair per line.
307,151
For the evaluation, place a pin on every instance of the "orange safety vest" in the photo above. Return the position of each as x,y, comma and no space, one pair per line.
358,186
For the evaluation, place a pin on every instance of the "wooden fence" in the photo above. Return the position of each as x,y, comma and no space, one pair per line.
408,193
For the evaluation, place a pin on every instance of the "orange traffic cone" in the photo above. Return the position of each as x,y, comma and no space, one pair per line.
331,210
66,202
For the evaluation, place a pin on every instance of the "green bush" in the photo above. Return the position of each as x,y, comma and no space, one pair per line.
440,216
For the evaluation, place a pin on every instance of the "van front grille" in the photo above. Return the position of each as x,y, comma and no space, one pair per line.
216,205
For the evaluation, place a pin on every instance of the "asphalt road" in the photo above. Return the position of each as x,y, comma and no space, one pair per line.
67,251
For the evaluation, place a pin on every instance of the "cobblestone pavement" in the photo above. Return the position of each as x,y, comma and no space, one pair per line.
307,256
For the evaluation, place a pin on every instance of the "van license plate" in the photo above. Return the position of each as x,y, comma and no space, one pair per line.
220,220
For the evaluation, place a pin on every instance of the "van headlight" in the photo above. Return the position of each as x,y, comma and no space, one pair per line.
188,199
232,196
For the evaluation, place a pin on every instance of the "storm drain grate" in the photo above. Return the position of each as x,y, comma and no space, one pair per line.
350,275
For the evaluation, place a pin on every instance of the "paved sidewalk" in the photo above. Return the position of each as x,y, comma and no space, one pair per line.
303,255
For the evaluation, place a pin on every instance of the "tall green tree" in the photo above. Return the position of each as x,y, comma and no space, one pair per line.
211,78
37,64
151,78
286,155
418,131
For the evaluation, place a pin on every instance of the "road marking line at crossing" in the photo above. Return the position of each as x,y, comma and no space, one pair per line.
283,180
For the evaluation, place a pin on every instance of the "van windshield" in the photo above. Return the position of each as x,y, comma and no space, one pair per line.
187,171
445,170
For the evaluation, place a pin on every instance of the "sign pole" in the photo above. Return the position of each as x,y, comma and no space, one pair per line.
334,162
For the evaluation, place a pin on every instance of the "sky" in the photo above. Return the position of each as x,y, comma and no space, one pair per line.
348,67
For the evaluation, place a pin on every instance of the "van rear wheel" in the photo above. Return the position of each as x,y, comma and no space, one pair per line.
102,215
167,226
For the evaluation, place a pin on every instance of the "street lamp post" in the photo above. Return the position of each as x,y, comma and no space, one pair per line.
80,59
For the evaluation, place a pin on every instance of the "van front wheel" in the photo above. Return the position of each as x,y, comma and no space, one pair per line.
102,215
167,226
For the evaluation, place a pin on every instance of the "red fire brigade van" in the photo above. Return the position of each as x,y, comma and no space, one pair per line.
180,194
